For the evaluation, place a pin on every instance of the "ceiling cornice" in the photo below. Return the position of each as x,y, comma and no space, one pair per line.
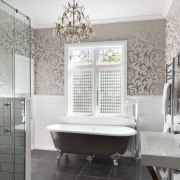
128,19
108,21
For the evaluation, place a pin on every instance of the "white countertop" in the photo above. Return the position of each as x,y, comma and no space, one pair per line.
93,129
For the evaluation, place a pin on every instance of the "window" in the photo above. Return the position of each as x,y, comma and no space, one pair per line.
96,78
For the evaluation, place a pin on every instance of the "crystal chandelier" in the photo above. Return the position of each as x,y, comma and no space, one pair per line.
73,26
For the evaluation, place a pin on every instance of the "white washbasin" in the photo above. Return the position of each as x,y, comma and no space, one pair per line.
160,149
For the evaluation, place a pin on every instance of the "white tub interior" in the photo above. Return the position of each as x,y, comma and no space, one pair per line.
98,120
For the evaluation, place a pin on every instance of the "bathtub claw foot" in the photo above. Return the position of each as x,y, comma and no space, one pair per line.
115,162
59,155
115,158
67,157
90,158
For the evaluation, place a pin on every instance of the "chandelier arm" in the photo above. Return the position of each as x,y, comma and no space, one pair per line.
73,12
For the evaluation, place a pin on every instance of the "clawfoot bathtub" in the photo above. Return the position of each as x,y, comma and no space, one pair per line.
91,139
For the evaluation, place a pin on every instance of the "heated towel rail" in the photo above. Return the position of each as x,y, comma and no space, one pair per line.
170,78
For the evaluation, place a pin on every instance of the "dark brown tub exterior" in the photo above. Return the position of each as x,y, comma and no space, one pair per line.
90,144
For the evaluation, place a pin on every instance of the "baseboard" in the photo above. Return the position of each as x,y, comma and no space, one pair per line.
32,147
48,148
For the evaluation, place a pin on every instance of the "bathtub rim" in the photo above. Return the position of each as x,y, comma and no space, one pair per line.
92,131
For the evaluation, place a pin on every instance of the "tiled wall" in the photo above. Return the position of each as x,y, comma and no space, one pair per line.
12,143
146,56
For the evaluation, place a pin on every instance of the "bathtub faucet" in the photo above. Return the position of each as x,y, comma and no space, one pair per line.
135,116
135,108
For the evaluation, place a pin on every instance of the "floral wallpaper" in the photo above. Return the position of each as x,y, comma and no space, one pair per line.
146,53
173,38
146,64
146,56
48,54
173,31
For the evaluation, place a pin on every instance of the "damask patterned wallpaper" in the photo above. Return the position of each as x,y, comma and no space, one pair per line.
173,31
146,56
173,38
48,55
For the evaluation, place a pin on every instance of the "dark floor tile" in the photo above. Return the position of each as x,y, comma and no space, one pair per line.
125,174
55,176
76,167
40,175
140,173
34,161
44,166
74,158
126,162
38,154
144,170
69,168
144,177
90,178
100,160
97,171
50,156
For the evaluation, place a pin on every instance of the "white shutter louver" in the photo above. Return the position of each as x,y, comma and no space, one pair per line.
110,91
82,83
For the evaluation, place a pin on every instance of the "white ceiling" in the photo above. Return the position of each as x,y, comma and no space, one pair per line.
44,13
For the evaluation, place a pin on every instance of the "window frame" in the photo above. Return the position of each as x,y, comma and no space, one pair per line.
95,67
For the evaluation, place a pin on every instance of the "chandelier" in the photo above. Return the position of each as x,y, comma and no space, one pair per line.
73,26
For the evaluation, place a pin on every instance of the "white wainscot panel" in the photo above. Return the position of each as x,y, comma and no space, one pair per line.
50,110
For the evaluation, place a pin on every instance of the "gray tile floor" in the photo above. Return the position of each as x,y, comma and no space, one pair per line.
76,167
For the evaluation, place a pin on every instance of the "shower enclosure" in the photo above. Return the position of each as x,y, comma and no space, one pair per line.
15,53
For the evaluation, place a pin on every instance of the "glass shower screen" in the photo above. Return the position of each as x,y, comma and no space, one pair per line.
15,53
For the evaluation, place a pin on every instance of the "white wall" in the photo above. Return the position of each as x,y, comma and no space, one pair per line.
49,110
